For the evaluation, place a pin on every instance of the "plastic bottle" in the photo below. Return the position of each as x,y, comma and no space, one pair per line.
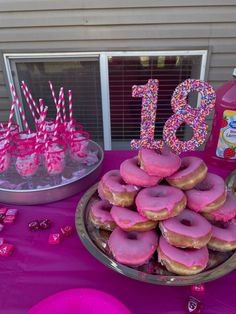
220,149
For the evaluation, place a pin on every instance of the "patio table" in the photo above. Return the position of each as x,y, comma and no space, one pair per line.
37,269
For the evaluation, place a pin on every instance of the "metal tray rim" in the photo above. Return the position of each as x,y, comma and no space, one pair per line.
64,184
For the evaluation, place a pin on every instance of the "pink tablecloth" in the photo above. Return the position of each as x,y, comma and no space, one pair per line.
37,269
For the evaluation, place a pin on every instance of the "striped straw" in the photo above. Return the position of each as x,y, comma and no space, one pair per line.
63,106
28,102
70,108
30,96
20,109
12,111
58,112
46,153
54,97
53,93
40,132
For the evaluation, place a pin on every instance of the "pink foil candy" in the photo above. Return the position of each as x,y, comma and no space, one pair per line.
194,305
198,288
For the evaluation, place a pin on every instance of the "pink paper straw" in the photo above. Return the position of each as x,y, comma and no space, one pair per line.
41,105
58,112
20,109
53,92
28,102
63,106
54,97
12,111
70,109
40,132
30,97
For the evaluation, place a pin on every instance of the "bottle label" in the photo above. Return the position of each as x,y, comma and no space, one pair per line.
226,147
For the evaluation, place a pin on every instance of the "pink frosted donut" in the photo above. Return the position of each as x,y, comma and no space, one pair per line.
160,202
187,230
161,164
100,215
182,261
132,248
208,195
226,212
223,237
130,220
113,188
192,171
133,174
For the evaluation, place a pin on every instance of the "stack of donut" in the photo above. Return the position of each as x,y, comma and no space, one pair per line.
158,202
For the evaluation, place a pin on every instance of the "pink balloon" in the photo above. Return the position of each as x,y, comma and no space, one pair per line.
84,301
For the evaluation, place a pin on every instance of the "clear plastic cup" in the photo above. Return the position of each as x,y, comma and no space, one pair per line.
78,145
23,142
5,156
4,130
27,164
54,157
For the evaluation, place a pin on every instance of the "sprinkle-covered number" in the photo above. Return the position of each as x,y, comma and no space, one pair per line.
184,113
149,94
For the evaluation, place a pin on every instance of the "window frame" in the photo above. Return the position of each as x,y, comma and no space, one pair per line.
103,56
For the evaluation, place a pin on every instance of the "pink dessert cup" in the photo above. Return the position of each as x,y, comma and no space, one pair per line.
4,129
54,158
5,156
27,164
23,143
78,145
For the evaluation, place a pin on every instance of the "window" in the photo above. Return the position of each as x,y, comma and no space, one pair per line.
102,87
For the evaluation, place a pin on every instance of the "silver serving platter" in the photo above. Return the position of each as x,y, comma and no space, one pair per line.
74,179
95,241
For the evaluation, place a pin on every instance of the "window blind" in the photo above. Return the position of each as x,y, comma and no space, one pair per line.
81,76
124,72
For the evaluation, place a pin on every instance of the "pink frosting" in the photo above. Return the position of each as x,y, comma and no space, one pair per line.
132,248
227,233
206,192
100,192
227,211
125,217
187,257
188,166
158,198
161,164
112,179
133,174
199,226
101,211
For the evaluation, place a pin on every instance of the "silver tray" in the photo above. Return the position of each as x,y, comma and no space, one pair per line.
95,241
69,185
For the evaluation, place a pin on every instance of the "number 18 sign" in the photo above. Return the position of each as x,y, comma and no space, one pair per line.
183,113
